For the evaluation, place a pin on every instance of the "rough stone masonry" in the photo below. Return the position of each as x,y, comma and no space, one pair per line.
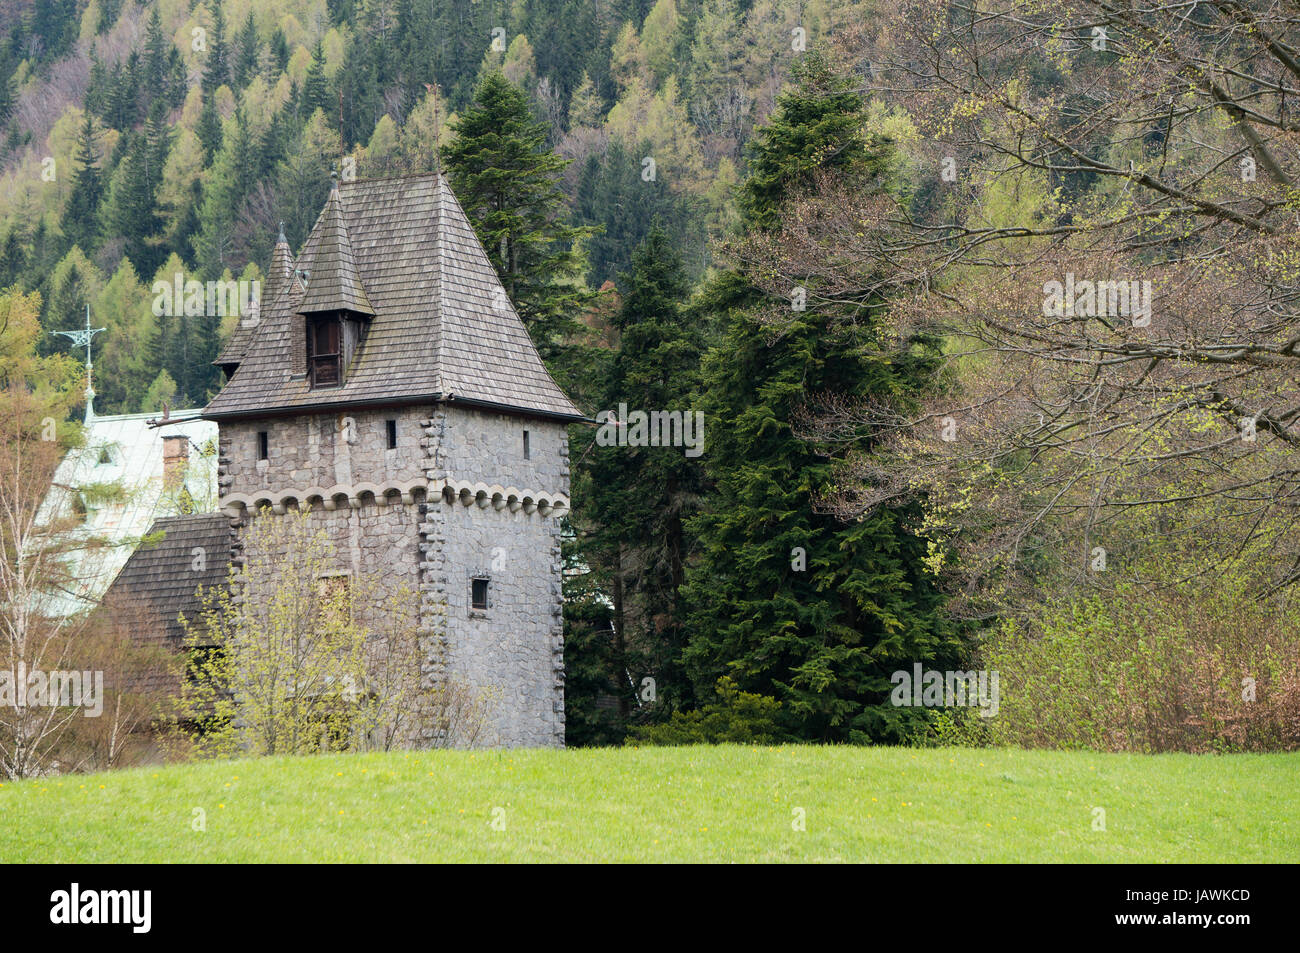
388,385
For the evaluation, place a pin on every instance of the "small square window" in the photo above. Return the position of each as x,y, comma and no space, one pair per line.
334,594
263,445
478,594
527,452
392,433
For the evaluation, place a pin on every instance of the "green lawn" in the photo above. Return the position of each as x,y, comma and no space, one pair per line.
730,803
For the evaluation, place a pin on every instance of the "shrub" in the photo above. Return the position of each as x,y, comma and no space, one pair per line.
1180,669
736,717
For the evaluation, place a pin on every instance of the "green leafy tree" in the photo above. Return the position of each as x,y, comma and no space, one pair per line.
292,658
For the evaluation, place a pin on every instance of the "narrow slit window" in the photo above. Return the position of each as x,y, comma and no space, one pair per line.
392,433
478,594
527,451
263,445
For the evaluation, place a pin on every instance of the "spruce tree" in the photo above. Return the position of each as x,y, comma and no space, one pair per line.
157,58
124,94
12,259
7,97
216,68
246,56
209,130
279,52
97,88
133,210
507,180
639,498
80,221
315,89
785,599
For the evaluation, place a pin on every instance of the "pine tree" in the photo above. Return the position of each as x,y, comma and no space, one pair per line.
97,88
315,88
132,211
13,259
818,130
80,222
6,94
124,94
157,58
279,52
216,69
507,180
614,198
785,599
209,130
249,50
158,137
639,498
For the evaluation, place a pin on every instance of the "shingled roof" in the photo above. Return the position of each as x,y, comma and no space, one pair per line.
333,283
161,580
278,277
443,328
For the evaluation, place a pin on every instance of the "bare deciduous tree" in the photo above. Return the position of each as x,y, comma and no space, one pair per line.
1099,218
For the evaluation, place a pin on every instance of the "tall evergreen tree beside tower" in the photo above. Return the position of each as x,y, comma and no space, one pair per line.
787,600
507,180
634,501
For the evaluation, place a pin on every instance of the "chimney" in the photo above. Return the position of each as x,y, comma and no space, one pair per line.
176,454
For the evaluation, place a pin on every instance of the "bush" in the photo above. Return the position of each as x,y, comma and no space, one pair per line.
1179,669
736,717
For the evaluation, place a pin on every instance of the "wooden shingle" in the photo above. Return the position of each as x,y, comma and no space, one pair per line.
443,328
162,579
278,278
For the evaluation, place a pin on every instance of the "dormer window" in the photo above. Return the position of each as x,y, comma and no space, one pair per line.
333,338
334,303
325,350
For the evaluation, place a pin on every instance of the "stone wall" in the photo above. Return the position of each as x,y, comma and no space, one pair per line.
323,450
433,540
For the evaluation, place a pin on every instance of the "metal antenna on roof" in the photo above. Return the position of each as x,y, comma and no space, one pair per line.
78,338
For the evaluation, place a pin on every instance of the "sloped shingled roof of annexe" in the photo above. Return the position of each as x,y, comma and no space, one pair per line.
443,328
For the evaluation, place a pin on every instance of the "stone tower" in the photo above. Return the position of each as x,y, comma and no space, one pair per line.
387,382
